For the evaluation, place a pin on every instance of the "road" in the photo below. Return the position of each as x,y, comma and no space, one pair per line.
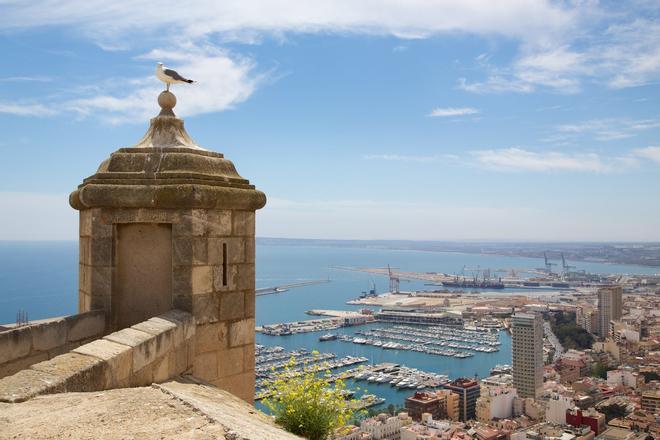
553,340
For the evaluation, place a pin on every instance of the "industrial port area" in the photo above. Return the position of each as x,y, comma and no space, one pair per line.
455,318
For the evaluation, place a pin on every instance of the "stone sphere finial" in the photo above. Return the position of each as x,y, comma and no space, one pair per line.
166,101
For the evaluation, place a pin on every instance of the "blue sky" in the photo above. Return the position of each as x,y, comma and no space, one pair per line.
450,120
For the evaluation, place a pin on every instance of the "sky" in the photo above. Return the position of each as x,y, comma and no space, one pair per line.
514,120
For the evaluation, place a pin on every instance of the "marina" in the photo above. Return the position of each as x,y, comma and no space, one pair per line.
398,376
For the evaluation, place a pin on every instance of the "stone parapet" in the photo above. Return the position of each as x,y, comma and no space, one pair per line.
152,351
23,346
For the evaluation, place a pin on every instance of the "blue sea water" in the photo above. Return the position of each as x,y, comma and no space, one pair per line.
41,278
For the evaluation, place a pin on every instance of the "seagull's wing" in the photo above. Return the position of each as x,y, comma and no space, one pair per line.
174,75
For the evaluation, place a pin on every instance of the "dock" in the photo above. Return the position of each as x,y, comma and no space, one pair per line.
285,287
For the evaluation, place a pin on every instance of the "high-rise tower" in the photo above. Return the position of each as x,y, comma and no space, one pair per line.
610,304
527,354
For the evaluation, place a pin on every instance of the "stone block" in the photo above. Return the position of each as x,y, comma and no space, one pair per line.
181,364
85,250
15,343
199,222
249,300
249,358
181,281
65,348
219,280
100,249
85,278
77,372
219,223
85,225
215,251
119,358
13,367
241,332
142,343
101,281
206,308
142,377
205,366
29,383
250,250
202,280
161,368
181,319
240,385
232,305
230,362
49,335
211,337
243,223
100,302
241,276
191,251
236,250
85,325
183,303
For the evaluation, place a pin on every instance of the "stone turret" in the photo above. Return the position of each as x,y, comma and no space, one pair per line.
167,224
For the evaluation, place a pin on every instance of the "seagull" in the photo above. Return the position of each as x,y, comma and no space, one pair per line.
169,76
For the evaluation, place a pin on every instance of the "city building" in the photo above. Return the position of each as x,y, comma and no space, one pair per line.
610,306
495,403
651,401
385,427
468,391
556,407
591,418
527,354
441,404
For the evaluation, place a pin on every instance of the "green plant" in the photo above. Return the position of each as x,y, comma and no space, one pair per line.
306,402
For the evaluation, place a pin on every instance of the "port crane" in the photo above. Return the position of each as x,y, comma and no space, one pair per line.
565,265
394,280
548,264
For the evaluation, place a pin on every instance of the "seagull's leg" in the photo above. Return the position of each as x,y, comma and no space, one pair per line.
168,87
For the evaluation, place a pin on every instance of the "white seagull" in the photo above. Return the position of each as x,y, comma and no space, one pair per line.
169,76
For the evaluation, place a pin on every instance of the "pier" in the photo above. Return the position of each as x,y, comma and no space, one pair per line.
286,287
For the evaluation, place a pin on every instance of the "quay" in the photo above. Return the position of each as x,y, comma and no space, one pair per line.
286,287
314,325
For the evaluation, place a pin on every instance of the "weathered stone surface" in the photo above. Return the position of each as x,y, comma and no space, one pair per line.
202,280
49,335
219,223
241,332
85,325
181,319
13,367
119,358
232,305
206,308
171,411
205,365
230,361
77,372
29,383
240,385
15,343
243,223
211,337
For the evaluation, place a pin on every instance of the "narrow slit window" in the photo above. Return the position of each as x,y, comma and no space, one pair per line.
224,264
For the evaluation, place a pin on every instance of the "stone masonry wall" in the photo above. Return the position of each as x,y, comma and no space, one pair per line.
213,277
152,351
23,346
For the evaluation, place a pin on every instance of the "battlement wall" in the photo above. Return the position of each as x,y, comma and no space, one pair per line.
27,345
154,350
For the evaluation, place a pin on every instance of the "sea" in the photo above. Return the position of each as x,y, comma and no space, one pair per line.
41,278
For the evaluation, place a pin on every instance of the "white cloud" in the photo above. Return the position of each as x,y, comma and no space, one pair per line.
405,158
403,18
518,159
19,109
222,81
452,111
651,153
607,129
